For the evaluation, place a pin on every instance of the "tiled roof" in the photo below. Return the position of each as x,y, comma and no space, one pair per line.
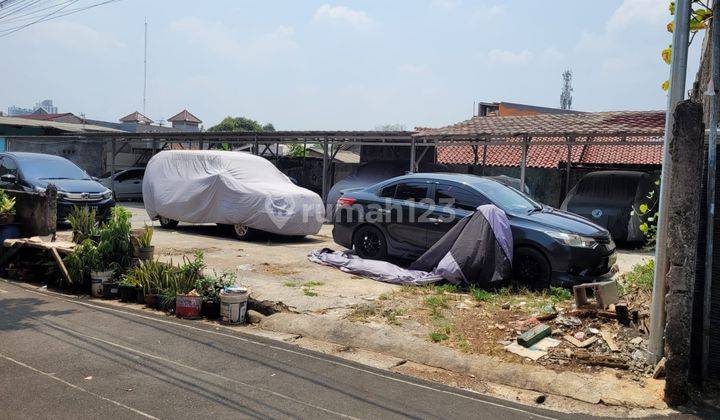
601,126
185,116
136,117
636,122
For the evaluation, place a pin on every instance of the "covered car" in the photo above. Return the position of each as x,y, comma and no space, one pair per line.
237,189
608,198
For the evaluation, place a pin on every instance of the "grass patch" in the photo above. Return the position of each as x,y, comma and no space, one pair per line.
558,294
436,303
438,336
445,288
463,344
290,284
482,295
313,283
309,292
363,312
392,314
640,278
384,296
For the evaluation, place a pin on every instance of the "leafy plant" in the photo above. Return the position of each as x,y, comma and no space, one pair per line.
482,295
145,238
558,294
83,223
152,276
648,213
210,286
700,15
7,204
82,260
640,278
114,245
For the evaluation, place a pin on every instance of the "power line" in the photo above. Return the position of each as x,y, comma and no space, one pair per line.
54,15
28,15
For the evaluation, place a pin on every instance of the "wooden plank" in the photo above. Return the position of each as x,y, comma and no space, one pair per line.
577,343
609,340
61,265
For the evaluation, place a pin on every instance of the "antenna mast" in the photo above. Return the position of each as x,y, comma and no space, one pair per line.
145,71
566,95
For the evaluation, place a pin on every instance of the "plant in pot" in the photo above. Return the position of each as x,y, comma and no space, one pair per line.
128,288
152,277
114,244
145,250
187,301
83,223
209,287
8,228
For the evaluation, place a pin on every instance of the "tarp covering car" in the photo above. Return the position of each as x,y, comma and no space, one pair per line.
477,252
612,199
202,186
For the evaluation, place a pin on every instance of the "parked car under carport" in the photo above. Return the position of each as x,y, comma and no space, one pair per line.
550,246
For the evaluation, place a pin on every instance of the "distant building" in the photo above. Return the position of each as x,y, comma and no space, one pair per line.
42,107
66,117
185,121
506,109
139,123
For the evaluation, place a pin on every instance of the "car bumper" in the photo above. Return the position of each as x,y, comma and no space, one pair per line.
102,208
584,267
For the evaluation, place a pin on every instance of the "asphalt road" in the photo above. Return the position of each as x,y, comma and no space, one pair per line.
67,358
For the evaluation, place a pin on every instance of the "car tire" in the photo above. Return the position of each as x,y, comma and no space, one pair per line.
369,243
240,231
531,269
167,223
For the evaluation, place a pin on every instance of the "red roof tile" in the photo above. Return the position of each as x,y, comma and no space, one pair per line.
136,117
185,116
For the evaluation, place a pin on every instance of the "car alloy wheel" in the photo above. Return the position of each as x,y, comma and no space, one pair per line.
240,231
167,223
531,269
370,243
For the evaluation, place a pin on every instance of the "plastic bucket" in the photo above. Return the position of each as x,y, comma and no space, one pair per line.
97,278
188,306
233,305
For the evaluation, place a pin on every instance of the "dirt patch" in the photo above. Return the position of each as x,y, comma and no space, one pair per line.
276,269
481,322
169,251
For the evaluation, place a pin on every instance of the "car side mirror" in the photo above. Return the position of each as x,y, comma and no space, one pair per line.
8,178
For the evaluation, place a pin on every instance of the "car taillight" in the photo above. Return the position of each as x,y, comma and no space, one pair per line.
345,202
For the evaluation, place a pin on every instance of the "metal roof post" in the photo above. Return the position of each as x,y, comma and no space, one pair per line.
523,162
412,155
678,72
325,169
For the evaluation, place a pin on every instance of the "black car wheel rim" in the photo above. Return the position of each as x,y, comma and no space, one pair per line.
370,244
528,269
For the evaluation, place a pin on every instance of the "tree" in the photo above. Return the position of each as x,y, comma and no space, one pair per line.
390,127
241,124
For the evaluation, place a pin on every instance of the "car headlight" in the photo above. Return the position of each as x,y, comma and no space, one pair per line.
571,239
107,194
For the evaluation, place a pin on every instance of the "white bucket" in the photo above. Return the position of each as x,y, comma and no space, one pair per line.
97,278
233,305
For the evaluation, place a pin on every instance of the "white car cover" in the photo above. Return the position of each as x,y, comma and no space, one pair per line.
203,186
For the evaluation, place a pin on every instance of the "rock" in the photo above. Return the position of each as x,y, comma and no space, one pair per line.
540,399
659,370
636,340
593,330
506,305
254,317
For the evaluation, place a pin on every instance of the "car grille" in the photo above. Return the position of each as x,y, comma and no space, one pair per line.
82,196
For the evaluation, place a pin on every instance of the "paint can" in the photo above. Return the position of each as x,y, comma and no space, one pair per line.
233,305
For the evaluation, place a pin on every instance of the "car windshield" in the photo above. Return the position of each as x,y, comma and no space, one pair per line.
51,169
509,199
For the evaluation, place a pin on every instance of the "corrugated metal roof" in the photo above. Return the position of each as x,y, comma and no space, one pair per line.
67,127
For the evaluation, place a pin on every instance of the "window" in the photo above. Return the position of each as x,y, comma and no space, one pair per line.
411,191
130,174
8,166
460,198
389,191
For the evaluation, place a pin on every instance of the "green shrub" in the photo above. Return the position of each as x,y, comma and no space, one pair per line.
641,277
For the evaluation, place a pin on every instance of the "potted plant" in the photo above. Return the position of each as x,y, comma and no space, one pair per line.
83,223
145,250
114,244
209,287
188,302
128,289
8,228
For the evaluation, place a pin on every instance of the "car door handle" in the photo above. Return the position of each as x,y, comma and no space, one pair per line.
435,220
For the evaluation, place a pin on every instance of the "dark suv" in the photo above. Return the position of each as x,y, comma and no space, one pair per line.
35,171
404,216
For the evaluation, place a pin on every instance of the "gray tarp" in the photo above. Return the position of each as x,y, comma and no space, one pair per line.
477,251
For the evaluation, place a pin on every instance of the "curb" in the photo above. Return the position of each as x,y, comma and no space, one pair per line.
595,389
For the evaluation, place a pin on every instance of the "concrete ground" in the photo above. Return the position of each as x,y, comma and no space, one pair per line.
276,268
64,357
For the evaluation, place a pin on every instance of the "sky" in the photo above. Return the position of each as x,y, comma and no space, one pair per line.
341,65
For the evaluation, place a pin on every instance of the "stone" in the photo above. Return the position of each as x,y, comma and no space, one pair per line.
254,317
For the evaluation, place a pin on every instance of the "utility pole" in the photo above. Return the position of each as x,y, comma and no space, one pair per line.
566,95
676,93
145,72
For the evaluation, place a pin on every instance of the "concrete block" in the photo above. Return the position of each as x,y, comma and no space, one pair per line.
605,293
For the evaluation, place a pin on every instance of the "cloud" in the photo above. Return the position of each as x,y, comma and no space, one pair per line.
497,56
342,15
632,12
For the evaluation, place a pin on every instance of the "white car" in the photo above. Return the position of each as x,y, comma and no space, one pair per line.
128,183
244,192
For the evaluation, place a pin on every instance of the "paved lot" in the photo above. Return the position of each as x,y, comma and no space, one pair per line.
68,358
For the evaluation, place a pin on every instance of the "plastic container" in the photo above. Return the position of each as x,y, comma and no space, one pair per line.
188,306
233,305
97,278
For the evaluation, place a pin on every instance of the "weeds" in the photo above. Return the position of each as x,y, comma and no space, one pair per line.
290,284
438,336
313,283
309,292
363,312
482,295
392,314
463,344
558,294
640,278
445,288
436,303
